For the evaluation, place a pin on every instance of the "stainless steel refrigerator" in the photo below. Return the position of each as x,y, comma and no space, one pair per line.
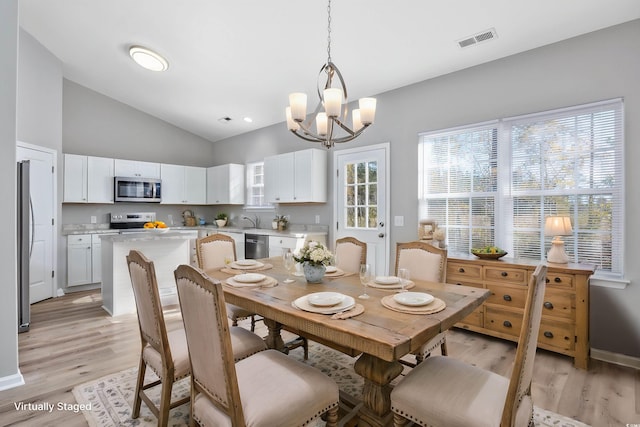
25,235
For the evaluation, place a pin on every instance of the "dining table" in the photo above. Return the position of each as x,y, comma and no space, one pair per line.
380,335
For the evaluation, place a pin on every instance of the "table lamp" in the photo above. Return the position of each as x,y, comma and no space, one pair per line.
557,226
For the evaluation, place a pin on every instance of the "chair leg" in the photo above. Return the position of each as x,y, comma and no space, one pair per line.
137,400
332,417
443,347
234,321
399,420
305,346
165,402
253,323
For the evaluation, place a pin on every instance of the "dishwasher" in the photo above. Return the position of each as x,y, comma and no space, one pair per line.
256,246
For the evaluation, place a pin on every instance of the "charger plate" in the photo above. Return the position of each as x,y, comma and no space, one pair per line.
434,307
264,283
303,304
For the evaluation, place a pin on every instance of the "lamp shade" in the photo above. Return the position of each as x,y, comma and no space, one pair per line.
557,226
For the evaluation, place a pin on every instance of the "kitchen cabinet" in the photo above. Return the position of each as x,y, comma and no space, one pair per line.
137,168
88,179
84,259
238,238
296,177
225,184
183,184
564,327
278,244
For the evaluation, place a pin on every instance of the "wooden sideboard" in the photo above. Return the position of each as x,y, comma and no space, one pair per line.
565,316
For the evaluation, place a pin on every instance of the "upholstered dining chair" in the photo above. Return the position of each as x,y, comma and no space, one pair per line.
211,252
350,254
165,352
266,389
443,391
424,262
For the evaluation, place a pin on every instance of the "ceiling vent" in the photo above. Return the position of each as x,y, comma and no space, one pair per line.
225,119
481,37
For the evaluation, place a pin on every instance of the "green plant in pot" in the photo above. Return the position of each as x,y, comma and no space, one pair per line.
221,219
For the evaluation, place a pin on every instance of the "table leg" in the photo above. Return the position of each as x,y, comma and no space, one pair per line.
274,338
376,394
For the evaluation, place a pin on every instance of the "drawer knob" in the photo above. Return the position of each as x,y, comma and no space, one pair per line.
459,284
461,270
504,274
548,334
506,324
507,297
548,305
557,280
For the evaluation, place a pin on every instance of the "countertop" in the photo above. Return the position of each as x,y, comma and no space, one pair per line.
293,231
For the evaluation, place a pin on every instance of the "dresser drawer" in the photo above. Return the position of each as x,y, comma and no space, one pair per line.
508,296
559,304
516,276
503,321
557,334
474,318
461,273
560,280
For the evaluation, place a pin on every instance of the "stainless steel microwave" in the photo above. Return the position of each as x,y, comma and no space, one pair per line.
135,189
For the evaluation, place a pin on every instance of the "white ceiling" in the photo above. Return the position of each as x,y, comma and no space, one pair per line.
243,57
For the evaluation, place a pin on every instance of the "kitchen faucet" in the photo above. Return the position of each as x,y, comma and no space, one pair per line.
254,222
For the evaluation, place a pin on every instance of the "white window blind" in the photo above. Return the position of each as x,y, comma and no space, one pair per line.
496,184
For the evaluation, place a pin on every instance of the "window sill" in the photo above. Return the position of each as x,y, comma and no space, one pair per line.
604,281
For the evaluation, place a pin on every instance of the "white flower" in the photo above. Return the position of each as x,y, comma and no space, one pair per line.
315,253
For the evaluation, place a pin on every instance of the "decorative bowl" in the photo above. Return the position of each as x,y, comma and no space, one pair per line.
483,255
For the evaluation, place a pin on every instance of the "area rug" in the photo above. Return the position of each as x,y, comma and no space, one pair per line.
111,397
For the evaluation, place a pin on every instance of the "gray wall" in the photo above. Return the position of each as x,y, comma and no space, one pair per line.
8,91
596,66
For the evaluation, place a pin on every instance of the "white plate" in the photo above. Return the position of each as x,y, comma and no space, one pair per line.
414,299
249,277
387,280
331,269
347,303
246,262
325,299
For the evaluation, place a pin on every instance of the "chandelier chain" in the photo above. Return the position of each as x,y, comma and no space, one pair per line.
329,32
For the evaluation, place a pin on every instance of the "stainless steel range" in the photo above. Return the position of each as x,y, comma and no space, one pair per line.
131,221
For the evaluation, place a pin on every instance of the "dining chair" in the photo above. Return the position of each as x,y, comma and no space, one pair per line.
443,391
211,252
429,263
350,253
266,389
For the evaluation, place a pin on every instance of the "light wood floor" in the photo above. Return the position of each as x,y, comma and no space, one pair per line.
72,341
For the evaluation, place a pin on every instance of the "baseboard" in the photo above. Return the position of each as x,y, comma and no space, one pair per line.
616,358
11,381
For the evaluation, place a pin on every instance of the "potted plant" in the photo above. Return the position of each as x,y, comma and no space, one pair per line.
314,257
221,219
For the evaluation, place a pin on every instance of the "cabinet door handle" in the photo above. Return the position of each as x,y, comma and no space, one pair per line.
506,324
557,280
548,334
461,270
506,297
548,305
504,274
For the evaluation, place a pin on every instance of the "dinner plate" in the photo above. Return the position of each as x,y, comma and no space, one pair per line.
331,269
303,304
325,299
414,299
243,265
246,262
249,277
387,280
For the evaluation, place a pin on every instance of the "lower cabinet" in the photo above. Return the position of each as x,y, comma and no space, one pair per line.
84,259
565,317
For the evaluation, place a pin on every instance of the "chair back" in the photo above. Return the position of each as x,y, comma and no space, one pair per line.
350,254
204,316
147,297
518,405
423,260
212,250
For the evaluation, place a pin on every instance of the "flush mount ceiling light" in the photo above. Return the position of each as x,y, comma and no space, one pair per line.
148,59
334,100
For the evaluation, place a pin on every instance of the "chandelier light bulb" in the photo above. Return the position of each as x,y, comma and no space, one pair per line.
321,124
357,123
291,124
333,102
298,104
367,110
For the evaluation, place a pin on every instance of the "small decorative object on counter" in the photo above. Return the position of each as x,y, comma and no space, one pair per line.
221,219
426,227
439,235
281,222
314,257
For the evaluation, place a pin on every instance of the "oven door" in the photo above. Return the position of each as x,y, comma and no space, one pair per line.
137,190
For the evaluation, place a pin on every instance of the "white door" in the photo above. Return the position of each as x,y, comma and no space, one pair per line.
361,207
42,190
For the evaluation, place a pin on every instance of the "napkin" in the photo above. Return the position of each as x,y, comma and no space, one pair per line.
352,312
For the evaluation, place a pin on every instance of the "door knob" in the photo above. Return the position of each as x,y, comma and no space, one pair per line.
381,235
381,224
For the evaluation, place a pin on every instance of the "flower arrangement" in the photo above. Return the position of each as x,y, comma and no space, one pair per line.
315,253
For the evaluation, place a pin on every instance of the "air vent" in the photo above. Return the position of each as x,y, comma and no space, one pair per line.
225,119
481,37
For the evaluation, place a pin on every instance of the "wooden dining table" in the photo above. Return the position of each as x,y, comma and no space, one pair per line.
380,335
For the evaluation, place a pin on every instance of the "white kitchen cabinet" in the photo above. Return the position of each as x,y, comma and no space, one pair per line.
79,259
88,179
226,184
96,259
297,177
278,244
238,238
136,168
183,184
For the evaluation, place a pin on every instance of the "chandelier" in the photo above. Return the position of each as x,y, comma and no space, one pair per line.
331,126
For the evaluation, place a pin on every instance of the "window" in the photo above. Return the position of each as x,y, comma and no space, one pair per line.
255,186
361,191
495,183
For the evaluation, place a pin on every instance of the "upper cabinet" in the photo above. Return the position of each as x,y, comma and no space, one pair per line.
136,168
88,179
225,185
183,184
297,177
